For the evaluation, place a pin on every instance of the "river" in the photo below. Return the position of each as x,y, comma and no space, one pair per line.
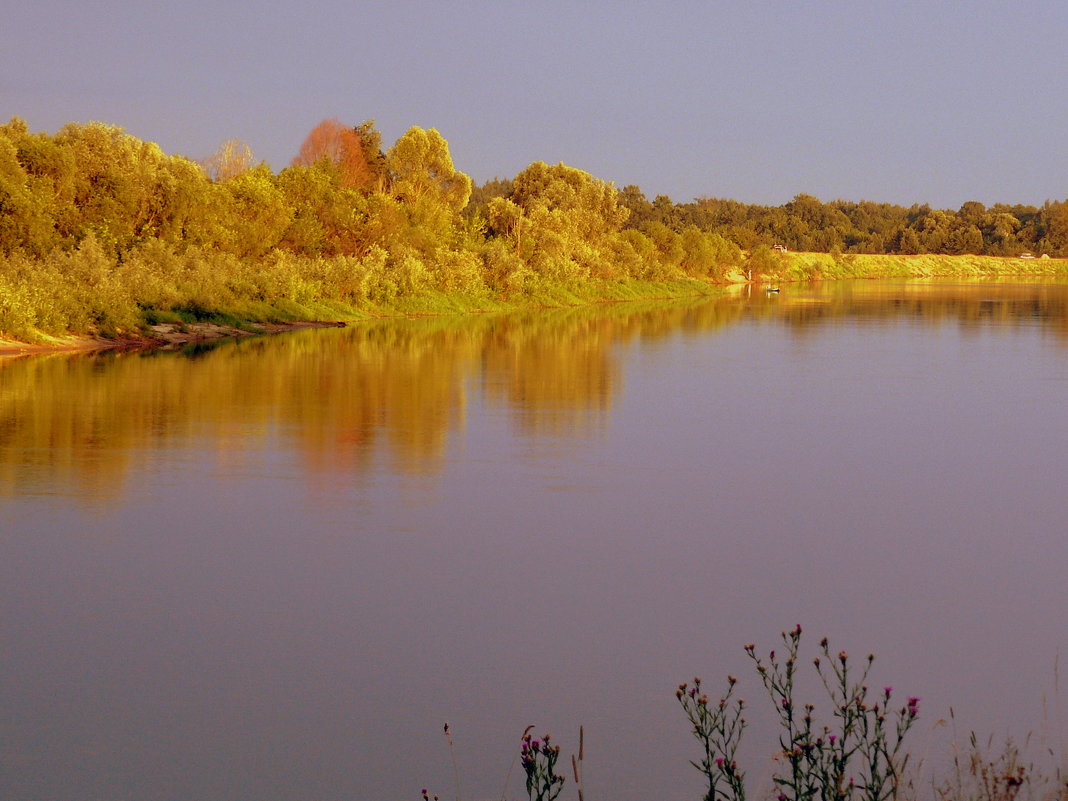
274,568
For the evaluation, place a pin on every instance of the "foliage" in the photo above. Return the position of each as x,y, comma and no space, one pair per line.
807,224
356,152
718,727
538,759
99,231
857,756
231,159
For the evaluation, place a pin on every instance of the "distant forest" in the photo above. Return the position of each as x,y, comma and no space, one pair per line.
842,226
102,231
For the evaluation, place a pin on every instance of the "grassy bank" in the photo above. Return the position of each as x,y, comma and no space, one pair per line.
830,266
88,293
200,293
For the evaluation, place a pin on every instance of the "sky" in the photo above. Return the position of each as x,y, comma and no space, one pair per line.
913,101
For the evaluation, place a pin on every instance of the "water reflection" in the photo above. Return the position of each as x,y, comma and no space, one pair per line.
931,301
397,389
314,549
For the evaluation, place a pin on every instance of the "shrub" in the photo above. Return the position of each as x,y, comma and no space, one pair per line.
858,756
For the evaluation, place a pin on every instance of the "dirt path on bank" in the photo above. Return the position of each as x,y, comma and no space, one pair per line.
164,336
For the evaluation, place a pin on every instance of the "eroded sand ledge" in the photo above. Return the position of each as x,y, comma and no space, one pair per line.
162,336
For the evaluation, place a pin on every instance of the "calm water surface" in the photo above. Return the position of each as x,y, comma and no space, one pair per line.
273,569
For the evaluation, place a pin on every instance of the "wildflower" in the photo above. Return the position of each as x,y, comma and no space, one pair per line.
913,706
842,656
823,643
831,738
731,680
719,762
887,691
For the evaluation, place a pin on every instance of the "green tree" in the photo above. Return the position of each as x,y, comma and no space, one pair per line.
429,189
255,213
26,203
421,167
569,221
116,186
763,262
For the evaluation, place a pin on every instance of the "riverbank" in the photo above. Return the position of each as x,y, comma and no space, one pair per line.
171,329
163,336
168,330
832,266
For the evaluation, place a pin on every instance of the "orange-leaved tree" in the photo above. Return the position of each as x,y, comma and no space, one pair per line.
357,152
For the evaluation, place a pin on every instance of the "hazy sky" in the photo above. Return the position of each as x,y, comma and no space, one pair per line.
907,101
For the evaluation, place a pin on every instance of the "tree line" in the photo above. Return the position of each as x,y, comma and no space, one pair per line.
98,228
810,225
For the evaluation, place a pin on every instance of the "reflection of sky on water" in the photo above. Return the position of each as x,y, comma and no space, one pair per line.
285,597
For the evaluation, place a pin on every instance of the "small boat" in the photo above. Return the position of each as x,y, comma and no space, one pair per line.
771,290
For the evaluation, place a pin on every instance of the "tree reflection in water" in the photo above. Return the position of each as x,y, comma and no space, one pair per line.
397,389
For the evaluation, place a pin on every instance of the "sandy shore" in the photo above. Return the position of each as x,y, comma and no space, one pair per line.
162,336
